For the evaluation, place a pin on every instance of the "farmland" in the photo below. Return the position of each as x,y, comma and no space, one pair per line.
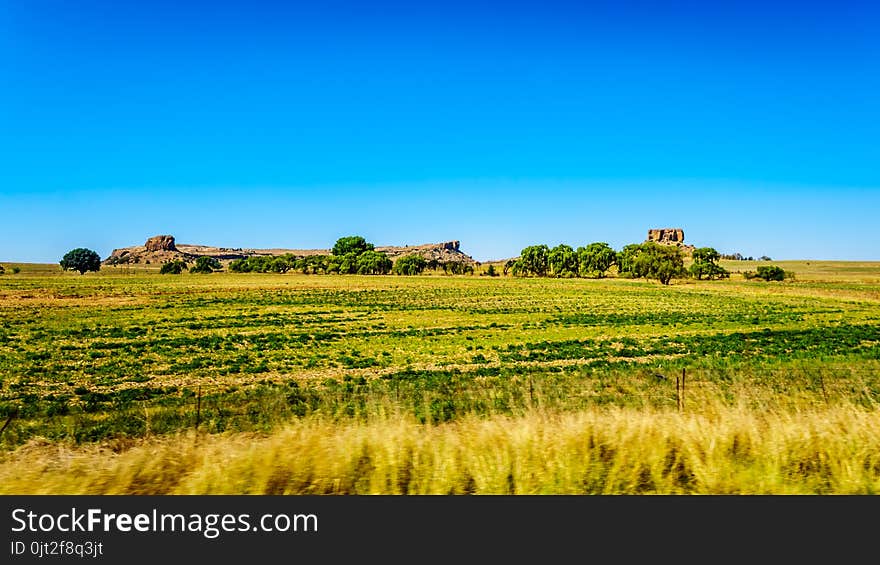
131,381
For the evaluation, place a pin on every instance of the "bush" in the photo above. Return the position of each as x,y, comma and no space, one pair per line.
173,268
769,273
491,272
16,270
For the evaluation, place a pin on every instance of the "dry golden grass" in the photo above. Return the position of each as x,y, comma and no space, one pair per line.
719,450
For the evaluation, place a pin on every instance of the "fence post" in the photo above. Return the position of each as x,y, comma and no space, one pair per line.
682,388
8,419
198,408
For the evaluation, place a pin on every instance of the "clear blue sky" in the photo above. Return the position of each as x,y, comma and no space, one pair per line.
753,126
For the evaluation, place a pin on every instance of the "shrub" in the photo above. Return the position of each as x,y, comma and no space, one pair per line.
770,273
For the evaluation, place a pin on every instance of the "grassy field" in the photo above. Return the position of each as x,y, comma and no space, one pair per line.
130,381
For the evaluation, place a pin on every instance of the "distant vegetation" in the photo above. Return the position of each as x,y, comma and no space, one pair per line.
769,273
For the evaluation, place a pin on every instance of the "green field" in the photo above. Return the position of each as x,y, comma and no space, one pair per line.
131,381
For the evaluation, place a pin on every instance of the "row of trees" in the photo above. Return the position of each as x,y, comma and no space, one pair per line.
350,255
648,260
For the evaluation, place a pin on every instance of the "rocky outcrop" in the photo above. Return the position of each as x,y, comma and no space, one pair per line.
666,235
160,243
439,253
669,236
163,248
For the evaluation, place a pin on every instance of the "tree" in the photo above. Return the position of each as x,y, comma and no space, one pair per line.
173,267
627,264
206,264
458,268
533,260
562,261
2,270
490,272
595,259
81,259
373,263
706,264
652,261
351,244
509,264
409,265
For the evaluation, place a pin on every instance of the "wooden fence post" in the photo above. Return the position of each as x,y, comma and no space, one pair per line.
8,419
198,408
681,407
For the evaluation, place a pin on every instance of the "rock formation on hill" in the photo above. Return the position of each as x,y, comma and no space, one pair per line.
164,248
442,253
160,243
669,236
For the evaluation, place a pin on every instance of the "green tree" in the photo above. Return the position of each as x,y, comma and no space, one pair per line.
458,268
348,263
351,244
373,263
173,267
491,272
533,260
409,265
206,264
595,259
706,264
627,261
81,259
562,261
652,261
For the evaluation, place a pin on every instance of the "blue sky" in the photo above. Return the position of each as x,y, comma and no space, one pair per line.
753,126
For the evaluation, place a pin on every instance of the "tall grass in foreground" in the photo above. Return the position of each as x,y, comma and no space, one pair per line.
605,450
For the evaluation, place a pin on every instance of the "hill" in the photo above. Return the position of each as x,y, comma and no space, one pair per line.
164,248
